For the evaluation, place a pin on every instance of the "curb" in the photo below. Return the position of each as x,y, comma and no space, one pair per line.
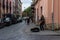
42,33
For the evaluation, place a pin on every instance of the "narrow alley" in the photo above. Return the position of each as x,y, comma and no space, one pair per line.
16,32
29,19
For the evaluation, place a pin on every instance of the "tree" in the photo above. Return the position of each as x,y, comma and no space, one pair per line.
27,12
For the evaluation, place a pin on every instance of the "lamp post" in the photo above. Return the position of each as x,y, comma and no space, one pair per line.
52,15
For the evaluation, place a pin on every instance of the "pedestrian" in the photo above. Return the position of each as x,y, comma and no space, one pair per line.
25,20
42,22
31,19
28,21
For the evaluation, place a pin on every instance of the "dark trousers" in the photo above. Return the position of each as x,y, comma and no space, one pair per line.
41,26
28,22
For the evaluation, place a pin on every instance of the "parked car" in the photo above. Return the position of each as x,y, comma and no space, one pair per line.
19,19
9,19
0,20
24,18
13,19
2,24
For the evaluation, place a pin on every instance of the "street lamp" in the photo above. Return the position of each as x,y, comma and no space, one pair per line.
52,15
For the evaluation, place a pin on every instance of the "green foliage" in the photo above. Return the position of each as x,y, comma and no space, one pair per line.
27,12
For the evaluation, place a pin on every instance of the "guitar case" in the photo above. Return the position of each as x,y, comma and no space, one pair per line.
35,29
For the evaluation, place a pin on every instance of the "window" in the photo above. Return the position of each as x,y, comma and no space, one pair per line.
10,7
0,3
41,10
7,5
3,4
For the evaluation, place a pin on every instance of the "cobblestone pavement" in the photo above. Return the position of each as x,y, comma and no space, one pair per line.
15,32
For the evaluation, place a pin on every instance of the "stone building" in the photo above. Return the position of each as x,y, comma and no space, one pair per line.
11,7
33,9
18,7
50,10
6,6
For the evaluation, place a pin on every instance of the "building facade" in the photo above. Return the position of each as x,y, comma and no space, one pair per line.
0,8
6,6
18,7
33,9
11,7
50,10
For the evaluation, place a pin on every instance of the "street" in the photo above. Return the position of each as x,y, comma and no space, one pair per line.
40,15
15,32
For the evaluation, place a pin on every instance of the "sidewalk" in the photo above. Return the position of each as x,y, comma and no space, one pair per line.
45,32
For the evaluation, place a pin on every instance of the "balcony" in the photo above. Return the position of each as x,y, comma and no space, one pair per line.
32,8
33,11
34,2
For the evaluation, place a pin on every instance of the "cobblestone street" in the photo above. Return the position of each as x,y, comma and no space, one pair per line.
29,19
15,32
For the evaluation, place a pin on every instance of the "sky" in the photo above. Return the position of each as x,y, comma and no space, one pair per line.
25,4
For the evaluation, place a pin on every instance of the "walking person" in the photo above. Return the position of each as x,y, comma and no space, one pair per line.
42,22
25,20
28,21
31,19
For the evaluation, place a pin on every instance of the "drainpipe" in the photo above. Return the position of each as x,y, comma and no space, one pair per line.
52,15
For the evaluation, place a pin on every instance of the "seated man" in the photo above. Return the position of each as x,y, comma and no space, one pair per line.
42,22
